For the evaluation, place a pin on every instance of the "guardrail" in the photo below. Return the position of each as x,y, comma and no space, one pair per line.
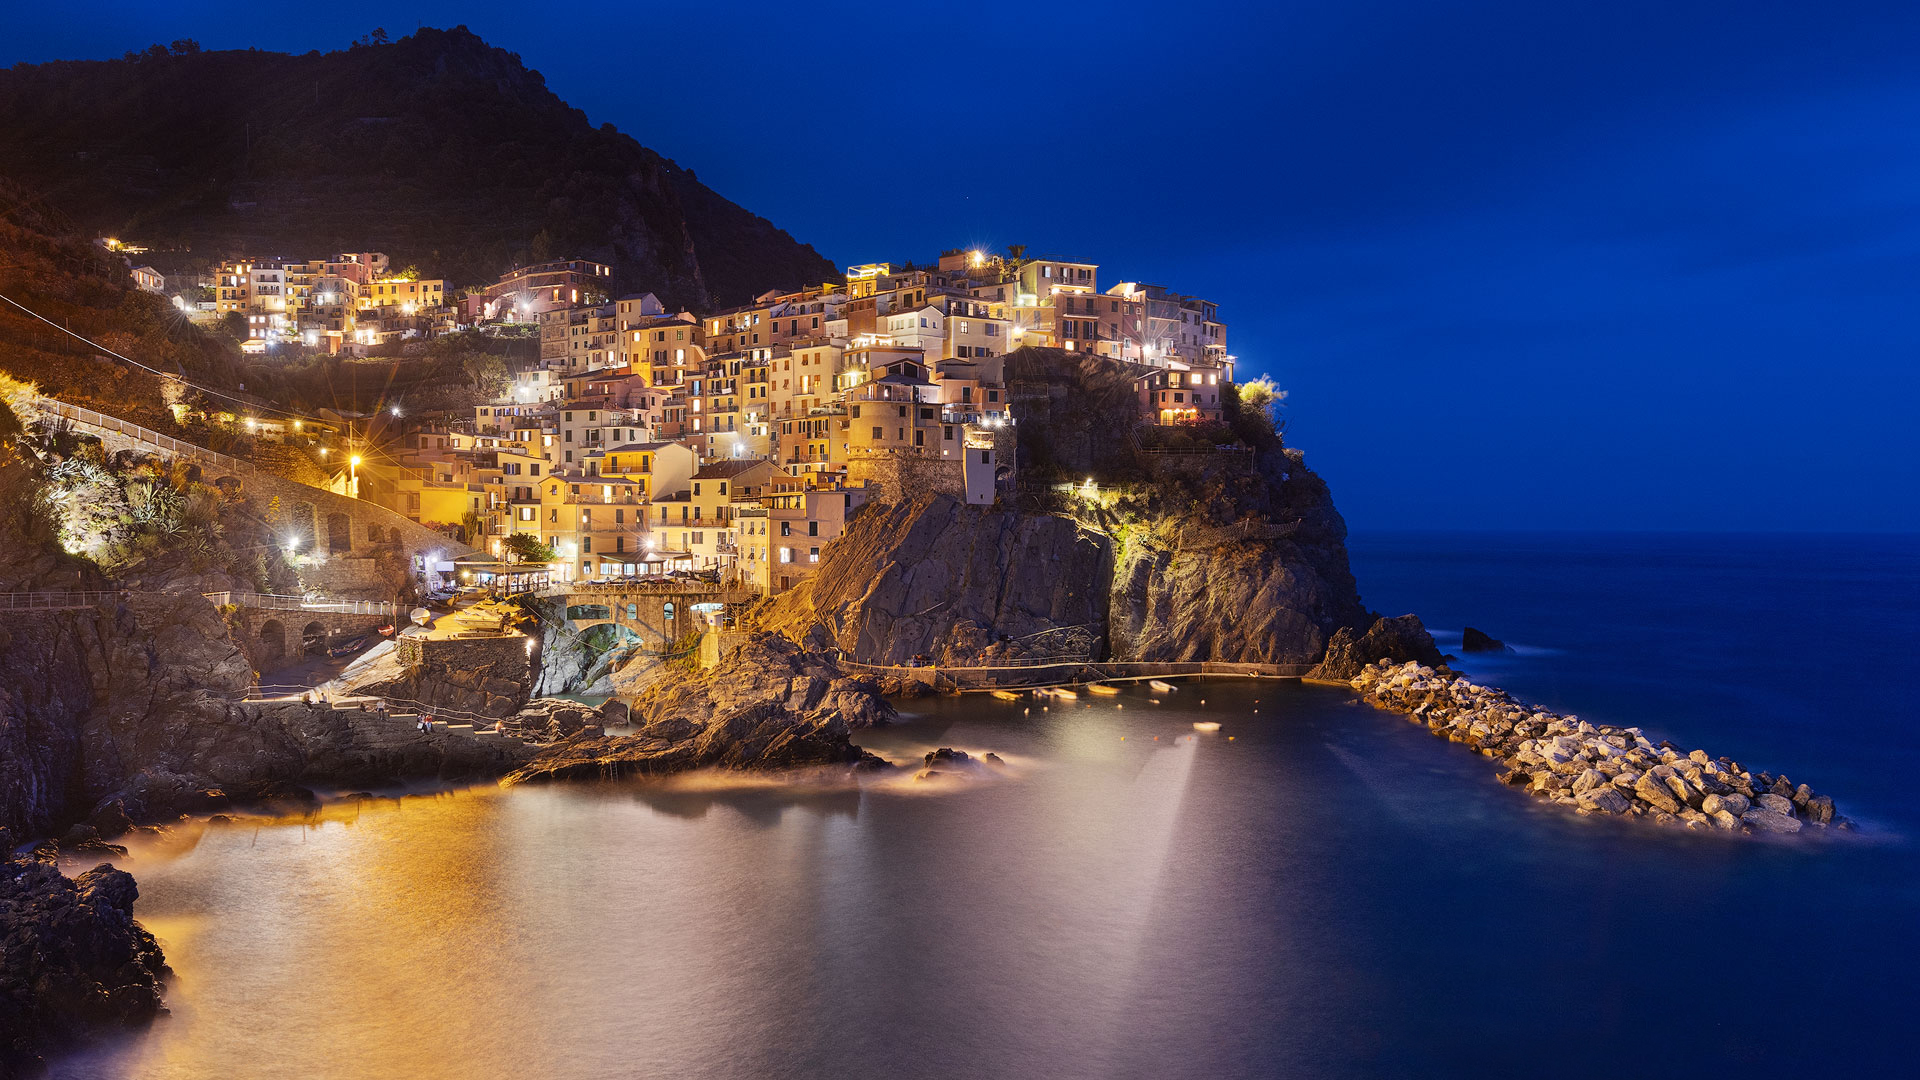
56,601
101,421
279,602
981,676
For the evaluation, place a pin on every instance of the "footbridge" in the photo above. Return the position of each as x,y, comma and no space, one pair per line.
327,522
656,612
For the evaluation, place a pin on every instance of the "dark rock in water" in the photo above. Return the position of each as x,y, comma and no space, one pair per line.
1472,640
770,705
994,759
1399,639
73,963
947,755
110,819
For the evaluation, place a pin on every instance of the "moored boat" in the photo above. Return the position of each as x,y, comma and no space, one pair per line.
1006,695
1206,725
1162,685
1103,691
1067,694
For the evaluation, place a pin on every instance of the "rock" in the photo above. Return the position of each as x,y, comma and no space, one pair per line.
1820,809
73,962
1401,639
946,755
1764,820
1604,799
1587,781
1725,820
110,818
1477,641
1655,793
769,705
1779,804
1736,803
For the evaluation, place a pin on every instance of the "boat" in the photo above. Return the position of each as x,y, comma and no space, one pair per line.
1162,685
1103,691
1067,694
1006,695
1206,725
347,647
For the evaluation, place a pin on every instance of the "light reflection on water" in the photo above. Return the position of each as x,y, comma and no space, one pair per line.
1330,893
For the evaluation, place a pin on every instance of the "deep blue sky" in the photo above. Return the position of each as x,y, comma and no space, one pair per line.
1520,263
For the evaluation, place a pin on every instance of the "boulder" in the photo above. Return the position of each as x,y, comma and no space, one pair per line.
1400,640
1604,799
1655,793
1763,820
1479,641
1779,804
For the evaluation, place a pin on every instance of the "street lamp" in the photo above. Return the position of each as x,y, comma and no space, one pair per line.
353,474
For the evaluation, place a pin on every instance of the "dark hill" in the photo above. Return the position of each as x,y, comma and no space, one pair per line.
438,149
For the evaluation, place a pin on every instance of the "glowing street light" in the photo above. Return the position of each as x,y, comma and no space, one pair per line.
353,475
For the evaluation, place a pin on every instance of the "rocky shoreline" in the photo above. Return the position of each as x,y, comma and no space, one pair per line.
1595,769
73,963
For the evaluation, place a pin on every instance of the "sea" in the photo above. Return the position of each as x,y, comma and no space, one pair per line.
1316,889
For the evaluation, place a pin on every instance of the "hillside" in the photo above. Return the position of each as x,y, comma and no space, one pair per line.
438,149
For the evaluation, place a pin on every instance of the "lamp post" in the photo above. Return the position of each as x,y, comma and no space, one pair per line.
353,473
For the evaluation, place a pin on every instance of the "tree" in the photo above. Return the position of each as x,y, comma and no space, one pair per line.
1253,408
526,547
470,525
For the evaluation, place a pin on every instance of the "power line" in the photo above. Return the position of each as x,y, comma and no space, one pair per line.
182,379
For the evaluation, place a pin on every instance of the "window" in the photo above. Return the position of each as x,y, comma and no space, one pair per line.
813,555
786,528
786,553
813,528
876,434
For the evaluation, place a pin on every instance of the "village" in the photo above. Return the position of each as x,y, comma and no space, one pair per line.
732,445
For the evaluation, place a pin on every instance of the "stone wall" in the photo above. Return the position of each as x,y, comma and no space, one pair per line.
902,476
485,676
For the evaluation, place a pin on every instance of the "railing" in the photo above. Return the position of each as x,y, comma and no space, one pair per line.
56,601
102,422
278,602
979,675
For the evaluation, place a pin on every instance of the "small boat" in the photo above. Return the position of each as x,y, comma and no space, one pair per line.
1006,695
1067,694
348,647
1162,685
1205,725
1103,691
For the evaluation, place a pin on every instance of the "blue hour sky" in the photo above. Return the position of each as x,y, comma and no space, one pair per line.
1566,265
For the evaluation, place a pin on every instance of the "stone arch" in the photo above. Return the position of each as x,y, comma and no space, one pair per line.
313,638
272,644
339,534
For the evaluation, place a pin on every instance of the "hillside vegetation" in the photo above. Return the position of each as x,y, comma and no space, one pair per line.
438,149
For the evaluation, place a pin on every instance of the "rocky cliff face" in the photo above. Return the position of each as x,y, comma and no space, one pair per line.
768,705
1232,563
936,577
73,963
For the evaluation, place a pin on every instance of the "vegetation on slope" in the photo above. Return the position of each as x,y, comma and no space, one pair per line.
437,149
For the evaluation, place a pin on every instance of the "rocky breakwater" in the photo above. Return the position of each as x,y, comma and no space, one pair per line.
1595,769
74,965
771,704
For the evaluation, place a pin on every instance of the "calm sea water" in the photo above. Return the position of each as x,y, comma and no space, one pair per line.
1318,889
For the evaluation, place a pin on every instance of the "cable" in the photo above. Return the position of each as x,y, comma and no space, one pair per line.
255,406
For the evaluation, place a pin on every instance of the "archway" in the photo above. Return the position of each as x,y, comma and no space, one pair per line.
314,638
272,644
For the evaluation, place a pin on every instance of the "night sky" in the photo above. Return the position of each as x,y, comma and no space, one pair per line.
1520,264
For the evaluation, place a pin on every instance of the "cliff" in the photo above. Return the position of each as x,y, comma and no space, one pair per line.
1229,549
438,149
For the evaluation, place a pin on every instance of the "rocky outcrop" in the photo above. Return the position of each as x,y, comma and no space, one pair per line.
935,577
475,676
1479,641
74,965
1595,770
1399,640
769,705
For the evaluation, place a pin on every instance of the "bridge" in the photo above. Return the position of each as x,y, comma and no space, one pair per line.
660,611
330,523
266,624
